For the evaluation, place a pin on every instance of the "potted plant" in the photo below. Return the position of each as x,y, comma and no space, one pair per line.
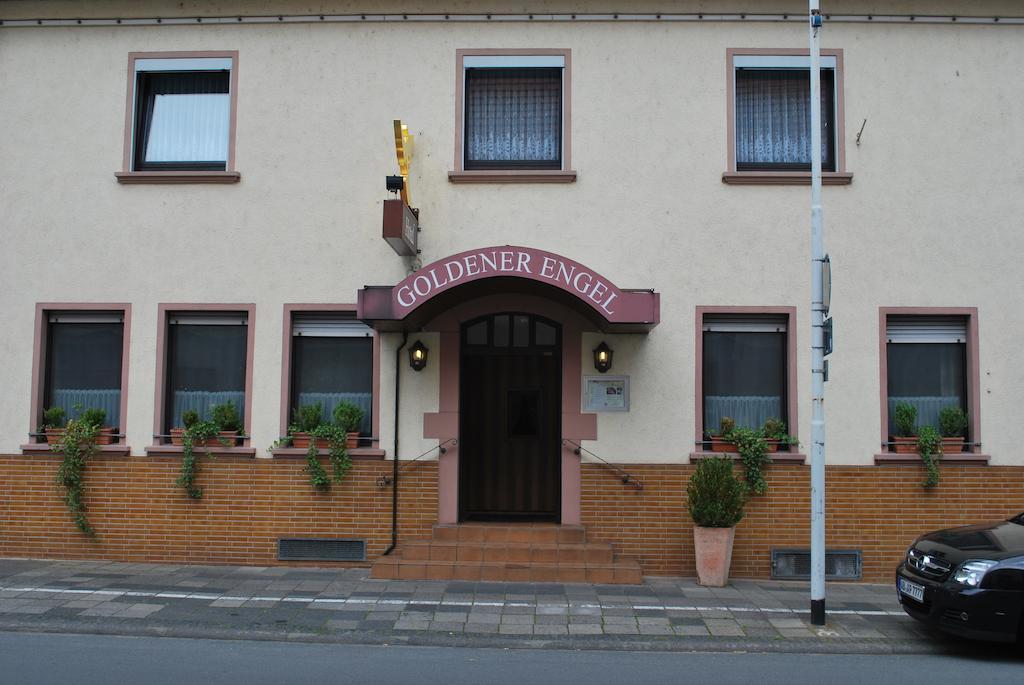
348,416
775,434
223,416
96,418
905,418
952,424
54,420
305,420
720,439
715,499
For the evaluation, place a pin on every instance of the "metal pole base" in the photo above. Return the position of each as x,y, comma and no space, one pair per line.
817,612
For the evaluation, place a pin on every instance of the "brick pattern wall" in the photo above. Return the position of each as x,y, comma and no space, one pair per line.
877,509
141,515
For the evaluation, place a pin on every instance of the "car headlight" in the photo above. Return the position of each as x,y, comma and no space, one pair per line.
971,572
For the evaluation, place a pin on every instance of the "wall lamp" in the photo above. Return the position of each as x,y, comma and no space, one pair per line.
418,356
395,184
603,357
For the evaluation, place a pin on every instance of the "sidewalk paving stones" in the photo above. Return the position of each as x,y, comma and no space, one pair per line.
332,604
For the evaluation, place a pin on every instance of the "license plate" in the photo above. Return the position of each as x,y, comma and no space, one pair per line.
912,590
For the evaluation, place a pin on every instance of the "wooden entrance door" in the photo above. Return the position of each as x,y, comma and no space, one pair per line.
510,419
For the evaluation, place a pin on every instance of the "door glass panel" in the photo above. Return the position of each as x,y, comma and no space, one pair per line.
477,334
501,331
545,334
521,331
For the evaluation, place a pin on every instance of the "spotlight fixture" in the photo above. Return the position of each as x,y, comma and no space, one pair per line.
418,354
603,357
395,184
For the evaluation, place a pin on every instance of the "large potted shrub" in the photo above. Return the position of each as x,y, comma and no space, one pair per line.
952,425
905,418
715,498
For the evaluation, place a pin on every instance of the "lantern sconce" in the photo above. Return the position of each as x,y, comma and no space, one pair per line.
418,356
603,357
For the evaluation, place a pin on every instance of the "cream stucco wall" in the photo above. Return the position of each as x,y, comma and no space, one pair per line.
932,217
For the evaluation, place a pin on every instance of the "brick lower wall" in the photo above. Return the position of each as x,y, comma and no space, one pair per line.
876,509
141,515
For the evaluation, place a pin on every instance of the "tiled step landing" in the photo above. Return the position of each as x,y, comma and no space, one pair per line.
532,552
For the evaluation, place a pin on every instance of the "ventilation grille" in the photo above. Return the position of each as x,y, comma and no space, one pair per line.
795,564
320,549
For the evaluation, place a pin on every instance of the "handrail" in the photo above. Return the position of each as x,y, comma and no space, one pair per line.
385,481
627,479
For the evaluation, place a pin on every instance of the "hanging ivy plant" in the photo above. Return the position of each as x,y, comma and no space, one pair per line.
929,446
753,450
77,445
336,450
196,432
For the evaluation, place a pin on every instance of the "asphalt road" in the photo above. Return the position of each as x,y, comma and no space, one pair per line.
31,659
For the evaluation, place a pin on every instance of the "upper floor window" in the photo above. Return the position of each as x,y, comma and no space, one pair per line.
770,114
181,118
513,114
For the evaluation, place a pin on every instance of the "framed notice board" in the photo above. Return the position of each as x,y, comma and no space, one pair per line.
606,393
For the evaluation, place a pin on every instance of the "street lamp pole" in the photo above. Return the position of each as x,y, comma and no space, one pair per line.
817,336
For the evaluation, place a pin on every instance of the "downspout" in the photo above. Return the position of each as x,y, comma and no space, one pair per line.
394,468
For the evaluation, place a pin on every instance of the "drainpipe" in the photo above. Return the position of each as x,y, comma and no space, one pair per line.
394,468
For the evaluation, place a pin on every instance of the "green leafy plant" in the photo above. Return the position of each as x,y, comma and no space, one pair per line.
306,418
775,429
336,450
226,416
189,418
753,450
198,432
76,446
93,417
952,422
715,497
54,417
905,418
726,426
929,446
348,416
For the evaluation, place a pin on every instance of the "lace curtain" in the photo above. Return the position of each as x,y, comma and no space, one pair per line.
513,115
773,113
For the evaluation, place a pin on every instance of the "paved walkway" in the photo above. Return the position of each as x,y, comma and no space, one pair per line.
332,605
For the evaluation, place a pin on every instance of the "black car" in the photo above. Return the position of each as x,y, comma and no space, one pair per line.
968,581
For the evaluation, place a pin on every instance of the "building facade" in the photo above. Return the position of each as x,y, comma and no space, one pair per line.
192,205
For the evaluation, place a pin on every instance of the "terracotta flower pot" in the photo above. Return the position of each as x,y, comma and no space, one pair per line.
905,445
106,436
352,440
54,435
713,549
231,437
722,445
952,445
773,445
302,440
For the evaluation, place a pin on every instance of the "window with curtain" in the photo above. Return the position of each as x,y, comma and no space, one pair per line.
744,369
332,362
513,116
926,362
182,116
83,363
773,117
206,364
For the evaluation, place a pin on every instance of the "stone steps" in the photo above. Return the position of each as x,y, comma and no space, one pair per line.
508,552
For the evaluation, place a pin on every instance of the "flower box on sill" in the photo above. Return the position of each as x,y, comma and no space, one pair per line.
107,435
231,437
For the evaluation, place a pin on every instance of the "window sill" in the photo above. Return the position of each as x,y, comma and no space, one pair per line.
512,176
776,457
356,453
44,449
785,178
218,450
131,177
962,458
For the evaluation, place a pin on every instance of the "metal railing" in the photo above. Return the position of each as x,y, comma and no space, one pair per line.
442,448
627,479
